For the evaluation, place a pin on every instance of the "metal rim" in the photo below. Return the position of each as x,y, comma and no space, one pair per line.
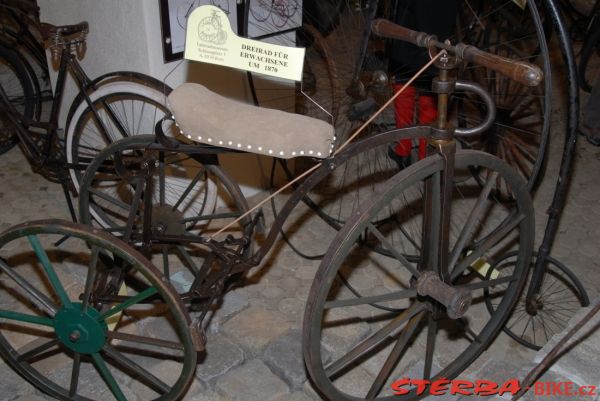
510,138
93,201
21,77
104,243
114,96
559,288
355,227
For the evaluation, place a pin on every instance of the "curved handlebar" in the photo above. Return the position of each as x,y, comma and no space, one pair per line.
520,71
490,108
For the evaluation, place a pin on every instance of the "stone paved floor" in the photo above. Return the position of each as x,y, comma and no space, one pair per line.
254,338
254,341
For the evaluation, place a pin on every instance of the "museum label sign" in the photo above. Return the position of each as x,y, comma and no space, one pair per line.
210,39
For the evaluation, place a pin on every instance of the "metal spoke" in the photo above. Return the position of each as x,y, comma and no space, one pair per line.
226,215
45,303
26,356
513,150
141,374
165,258
22,317
132,117
115,120
393,357
97,117
393,251
373,340
75,375
113,335
131,301
90,279
467,230
392,296
429,350
108,198
487,283
108,377
475,337
517,319
487,245
187,190
54,281
188,259
141,118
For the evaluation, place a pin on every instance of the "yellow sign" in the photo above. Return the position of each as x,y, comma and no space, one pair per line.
210,39
521,3
482,267
113,320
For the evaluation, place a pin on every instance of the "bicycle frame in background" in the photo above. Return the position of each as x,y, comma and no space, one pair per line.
96,117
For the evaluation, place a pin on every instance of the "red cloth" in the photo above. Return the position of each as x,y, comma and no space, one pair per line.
404,105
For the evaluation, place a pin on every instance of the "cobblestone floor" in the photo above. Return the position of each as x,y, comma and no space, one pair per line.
254,339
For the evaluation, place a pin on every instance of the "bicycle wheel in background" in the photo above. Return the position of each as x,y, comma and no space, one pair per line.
126,179
317,75
533,323
16,84
343,65
125,109
346,73
588,60
20,32
520,132
519,135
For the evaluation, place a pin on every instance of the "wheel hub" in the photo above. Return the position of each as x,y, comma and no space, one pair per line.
82,332
356,90
457,301
166,221
533,305
379,79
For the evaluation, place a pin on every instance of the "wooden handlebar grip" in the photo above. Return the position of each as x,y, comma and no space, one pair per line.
387,29
520,71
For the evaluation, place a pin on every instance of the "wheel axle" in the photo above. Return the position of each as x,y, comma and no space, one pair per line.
456,300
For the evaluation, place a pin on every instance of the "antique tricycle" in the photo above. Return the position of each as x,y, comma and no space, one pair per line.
404,287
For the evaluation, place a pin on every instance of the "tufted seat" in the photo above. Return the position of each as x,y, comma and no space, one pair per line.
207,117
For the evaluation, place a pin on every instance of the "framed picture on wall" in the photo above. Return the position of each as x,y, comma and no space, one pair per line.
274,22
173,16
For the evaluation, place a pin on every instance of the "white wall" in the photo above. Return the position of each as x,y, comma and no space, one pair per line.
126,35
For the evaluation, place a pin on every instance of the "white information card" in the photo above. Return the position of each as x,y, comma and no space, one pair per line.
210,39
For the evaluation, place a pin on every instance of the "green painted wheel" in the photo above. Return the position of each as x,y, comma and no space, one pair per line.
91,318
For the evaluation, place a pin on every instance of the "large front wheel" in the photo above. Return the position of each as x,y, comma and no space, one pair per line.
372,319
